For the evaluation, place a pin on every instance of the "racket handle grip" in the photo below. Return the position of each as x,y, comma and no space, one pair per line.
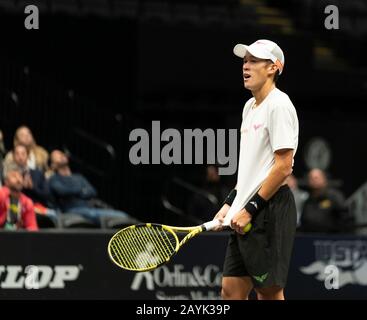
211,224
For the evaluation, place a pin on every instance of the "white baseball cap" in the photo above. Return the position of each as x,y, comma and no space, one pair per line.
263,49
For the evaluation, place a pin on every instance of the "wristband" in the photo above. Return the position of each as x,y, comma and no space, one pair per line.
255,205
230,198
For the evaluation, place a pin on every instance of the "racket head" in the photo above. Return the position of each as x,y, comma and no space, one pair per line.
143,247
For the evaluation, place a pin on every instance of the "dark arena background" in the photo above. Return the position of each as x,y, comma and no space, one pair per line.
89,73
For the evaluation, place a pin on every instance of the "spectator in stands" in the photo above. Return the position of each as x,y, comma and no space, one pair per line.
38,156
2,156
16,209
73,191
34,184
202,205
300,196
325,210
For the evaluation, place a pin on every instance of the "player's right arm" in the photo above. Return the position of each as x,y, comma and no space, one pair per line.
221,214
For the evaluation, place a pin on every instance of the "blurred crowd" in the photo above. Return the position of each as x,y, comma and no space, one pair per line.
320,207
38,188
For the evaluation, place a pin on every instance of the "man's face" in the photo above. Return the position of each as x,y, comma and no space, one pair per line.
20,156
317,179
212,174
14,181
255,72
58,159
25,137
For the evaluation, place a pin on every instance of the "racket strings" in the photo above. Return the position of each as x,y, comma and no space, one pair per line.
157,246
142,247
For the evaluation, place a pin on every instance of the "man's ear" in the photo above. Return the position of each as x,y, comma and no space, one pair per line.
273,68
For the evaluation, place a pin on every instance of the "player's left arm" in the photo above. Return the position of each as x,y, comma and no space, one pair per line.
282,168
283,132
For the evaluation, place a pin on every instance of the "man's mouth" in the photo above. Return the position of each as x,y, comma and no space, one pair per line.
246,76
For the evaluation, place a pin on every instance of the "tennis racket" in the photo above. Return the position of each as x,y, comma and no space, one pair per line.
144,247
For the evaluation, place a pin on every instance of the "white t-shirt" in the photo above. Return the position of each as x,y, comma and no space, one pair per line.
271,126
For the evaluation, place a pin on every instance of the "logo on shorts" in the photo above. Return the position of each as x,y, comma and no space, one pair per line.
261,278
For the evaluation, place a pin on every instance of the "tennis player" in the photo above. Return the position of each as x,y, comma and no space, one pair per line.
260,258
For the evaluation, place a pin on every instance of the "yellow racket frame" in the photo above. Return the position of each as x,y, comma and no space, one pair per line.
192,231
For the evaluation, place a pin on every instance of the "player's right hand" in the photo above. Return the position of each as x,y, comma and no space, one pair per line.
221,214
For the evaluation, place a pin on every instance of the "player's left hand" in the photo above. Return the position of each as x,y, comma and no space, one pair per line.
240,221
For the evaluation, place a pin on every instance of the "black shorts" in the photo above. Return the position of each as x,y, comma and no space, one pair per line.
264,253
